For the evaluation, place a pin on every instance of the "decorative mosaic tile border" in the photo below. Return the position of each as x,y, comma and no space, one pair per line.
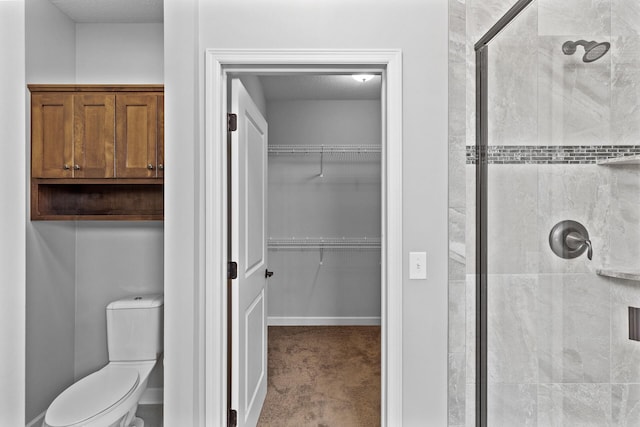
552,155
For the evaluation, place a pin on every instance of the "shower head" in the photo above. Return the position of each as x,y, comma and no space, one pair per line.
592,50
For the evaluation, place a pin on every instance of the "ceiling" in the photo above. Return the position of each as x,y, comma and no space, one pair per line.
319,87
112,11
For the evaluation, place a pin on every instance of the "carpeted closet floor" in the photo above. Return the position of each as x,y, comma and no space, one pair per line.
323,376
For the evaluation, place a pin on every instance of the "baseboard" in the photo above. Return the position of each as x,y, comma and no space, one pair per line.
152,396
323,321
37,421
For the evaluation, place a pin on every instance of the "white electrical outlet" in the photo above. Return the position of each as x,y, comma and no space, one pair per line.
417,265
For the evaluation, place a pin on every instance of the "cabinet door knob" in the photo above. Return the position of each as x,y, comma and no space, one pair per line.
66,167
76,167
150,166
161,166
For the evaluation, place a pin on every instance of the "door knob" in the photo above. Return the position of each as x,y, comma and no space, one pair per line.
268,273
150,166
66,167
76,167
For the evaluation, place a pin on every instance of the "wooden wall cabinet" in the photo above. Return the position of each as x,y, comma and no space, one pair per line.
97,152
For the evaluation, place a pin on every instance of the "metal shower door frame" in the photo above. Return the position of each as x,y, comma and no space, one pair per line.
482,140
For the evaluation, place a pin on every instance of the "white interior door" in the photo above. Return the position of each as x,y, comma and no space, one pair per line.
249,250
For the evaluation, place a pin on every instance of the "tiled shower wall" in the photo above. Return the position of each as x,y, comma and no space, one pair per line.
559,353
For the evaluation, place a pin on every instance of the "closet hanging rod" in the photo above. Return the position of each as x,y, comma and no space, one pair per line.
324,243
326,149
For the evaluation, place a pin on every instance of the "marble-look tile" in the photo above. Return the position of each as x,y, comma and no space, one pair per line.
470,229
513,91
573,328
470,320
457,99
470,417
457,247
457,318
625,405
570,17
512,223
457,389
623,219
470,91
457,31
574,405
457,174
511,405
625,49
625,17
483,14
574,98
581,193
512,336
625,104
625,353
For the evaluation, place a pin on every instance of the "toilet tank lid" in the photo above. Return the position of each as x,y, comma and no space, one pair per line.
137,301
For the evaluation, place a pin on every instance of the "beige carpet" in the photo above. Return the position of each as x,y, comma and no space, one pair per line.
323,376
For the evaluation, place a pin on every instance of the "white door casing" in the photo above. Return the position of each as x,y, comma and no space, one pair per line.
220,63
249,250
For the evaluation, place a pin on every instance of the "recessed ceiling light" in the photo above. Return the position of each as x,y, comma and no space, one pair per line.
362,78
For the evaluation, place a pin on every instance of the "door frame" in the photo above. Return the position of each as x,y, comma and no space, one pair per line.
219,63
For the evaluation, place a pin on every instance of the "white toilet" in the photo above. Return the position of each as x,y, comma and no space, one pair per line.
109,397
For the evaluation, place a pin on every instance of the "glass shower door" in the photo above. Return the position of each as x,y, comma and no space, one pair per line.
557,215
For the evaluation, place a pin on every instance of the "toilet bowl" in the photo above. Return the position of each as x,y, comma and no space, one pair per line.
106,398
109,397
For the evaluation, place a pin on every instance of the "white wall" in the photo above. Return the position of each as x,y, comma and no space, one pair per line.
184,379
345,202
419,28
50,255
119,53
12,212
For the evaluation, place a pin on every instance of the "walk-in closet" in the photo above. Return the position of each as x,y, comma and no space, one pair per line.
323,238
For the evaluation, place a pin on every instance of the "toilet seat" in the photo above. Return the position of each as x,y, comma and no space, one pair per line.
92,395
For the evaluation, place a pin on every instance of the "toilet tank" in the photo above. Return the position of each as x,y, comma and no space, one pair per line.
135,328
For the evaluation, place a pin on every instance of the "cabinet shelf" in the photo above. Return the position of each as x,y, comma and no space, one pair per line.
92,199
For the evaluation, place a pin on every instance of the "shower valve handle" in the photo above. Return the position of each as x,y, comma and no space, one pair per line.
570,239
575,241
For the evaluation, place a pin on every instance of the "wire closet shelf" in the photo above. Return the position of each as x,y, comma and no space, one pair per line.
325,149
293,243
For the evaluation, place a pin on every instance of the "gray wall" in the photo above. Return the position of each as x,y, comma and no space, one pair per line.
119,53
115,259
12,212
420,30
51,247
343,203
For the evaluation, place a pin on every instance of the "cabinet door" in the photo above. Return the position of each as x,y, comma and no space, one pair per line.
94,136
136,135
51,135
160,144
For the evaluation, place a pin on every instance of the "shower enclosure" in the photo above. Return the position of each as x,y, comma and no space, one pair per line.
557,162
